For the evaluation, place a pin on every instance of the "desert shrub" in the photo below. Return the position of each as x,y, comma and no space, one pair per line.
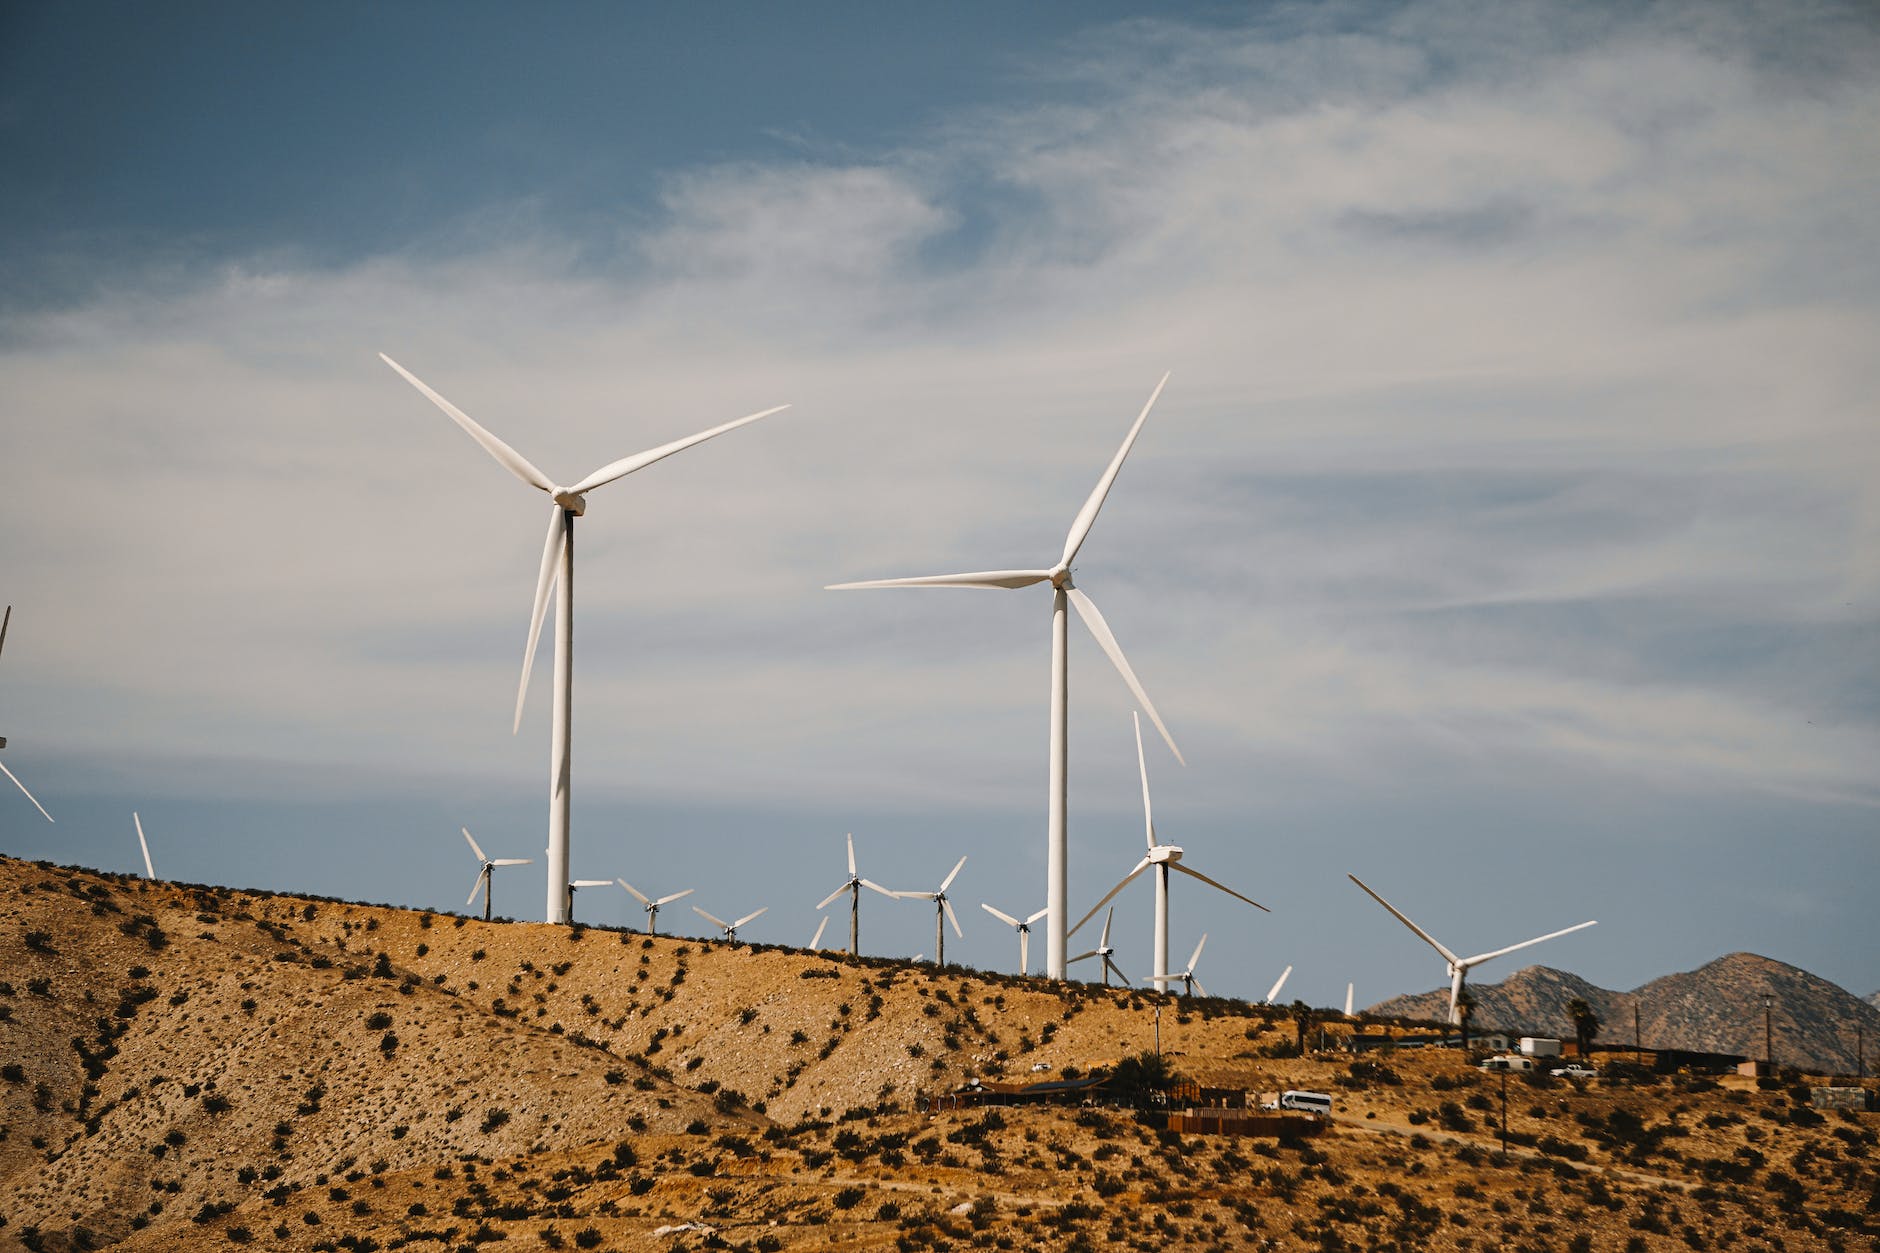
378,1021
849,1198
493,1118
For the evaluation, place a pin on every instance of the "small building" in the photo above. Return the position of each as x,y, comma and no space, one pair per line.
1860,1099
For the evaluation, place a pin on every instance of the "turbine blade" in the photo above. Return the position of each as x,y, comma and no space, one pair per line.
474,846
952,917
980,578
1118,970
476,886
1110,895
1087,610
1108,918
1035,917
143,844
1278,984
1551,935
667,900
592,883
1350,989
1196,985
1196,956
815,941
851,854
1429,939
512,861
22,787
1196,874
1142,765
640,460
551,563
1082,957
915,896
870,883
948,881
748,917
825,900
720,923
1003,917
507,457
633,892
4,622
1087,516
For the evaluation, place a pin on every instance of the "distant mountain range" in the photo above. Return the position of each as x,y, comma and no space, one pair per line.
1716,1008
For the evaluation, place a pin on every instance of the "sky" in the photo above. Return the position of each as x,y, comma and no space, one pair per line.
1508,532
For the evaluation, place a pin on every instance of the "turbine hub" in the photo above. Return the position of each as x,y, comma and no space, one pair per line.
1163,853
1061,578
577,505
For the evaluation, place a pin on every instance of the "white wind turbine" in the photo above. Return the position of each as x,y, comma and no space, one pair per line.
652,907
4,621
1104,951
853,886
1274,990
1459,967
1024,933
729,928
1190,984
558,571
1164,857
144,844
1064,593
575,885
942,913
484,875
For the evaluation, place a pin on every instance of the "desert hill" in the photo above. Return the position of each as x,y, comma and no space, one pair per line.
1716,1008
185,1068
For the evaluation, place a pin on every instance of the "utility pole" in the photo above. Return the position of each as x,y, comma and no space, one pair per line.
1769,1036
1158,1031
1504,1116
1637,1052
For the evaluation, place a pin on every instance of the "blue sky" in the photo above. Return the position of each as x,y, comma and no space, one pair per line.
1507,534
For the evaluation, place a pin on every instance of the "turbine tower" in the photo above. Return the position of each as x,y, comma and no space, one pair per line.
1459,967
558,571
1024,933
729,928
1164,857
1104,951
853,886
4,621
1064,593
942,914
484,875
652,907
144,844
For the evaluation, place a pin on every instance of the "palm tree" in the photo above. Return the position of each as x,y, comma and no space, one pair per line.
1302,1017
1465,1010
1585,1024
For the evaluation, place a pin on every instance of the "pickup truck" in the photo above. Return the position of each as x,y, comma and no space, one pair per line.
1574,1071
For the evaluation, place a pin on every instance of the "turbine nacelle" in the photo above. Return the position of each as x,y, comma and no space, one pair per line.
1161,854
573,502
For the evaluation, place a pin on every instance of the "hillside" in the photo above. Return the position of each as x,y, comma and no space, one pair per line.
187,1068
1717,1008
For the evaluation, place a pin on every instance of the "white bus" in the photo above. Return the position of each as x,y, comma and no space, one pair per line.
1307,1102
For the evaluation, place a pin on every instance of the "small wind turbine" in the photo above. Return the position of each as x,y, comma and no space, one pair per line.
1104,951
575,885
484,875
1459,967
1273,993
558,571
1190,984
815,941
4,621
1024,933
1064,592
1164,857
853,886
143,844
942,913
729,928
652,907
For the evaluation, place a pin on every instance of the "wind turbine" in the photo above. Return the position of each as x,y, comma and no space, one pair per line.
484,875
942,913
1190,984
558,571
1164,857
1278,984
652,906
1459,967
729,928
815,941
1064,593
4,621
143,844
1024,933
575,885
1104,951
853,886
